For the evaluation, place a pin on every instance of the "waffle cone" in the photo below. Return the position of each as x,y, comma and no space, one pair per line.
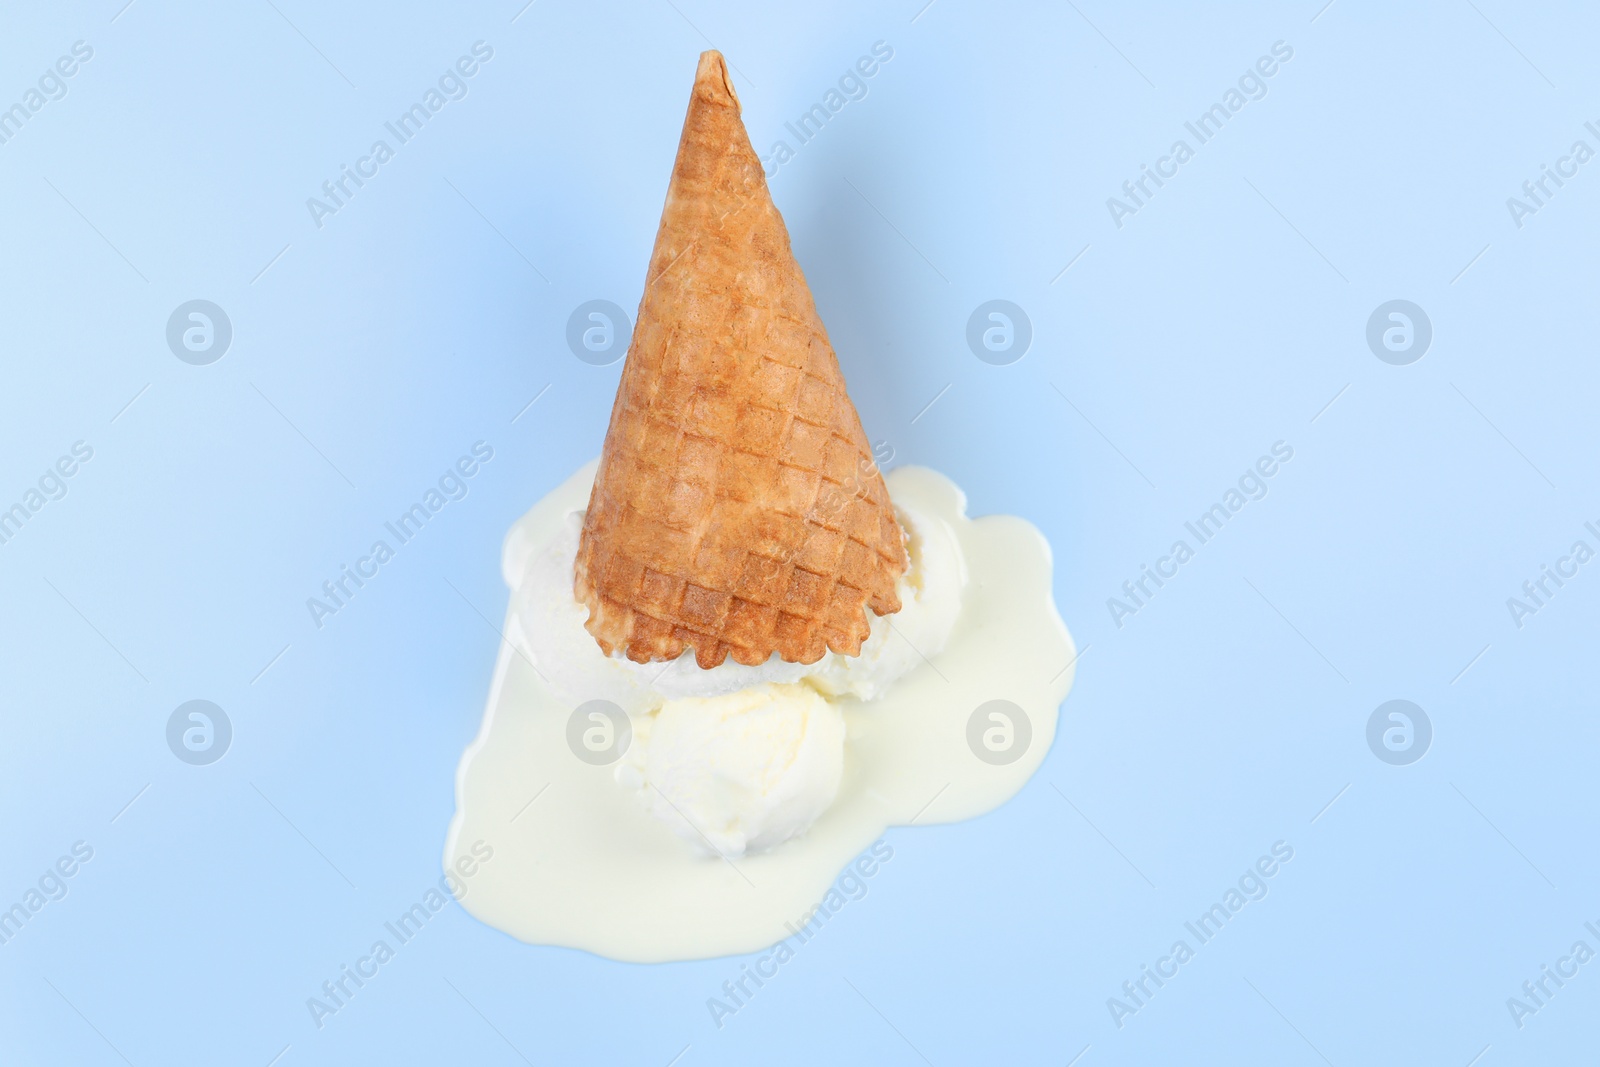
737,509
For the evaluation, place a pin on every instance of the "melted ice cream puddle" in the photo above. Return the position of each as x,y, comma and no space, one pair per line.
585,866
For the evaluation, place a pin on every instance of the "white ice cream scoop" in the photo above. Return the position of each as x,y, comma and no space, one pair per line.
740,772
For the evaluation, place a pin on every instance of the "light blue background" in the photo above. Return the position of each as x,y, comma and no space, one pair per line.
1223,317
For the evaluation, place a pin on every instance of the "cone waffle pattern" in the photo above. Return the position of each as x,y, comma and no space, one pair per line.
737,509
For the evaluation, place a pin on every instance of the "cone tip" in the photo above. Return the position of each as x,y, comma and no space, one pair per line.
712,76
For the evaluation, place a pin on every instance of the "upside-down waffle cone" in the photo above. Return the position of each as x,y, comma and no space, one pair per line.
737,509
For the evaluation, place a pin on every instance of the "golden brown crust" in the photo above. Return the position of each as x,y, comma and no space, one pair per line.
737,509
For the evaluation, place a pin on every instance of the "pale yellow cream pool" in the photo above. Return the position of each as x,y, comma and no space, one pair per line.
579,862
